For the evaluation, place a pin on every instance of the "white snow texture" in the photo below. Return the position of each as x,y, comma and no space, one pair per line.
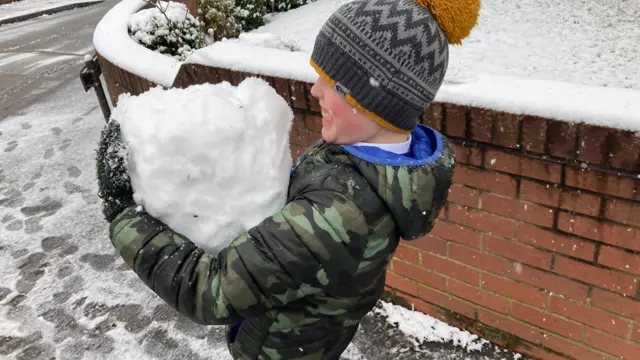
210,161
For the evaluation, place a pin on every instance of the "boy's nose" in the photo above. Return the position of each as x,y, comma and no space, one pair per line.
316,90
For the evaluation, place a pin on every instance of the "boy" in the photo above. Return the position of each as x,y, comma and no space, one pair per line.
296,285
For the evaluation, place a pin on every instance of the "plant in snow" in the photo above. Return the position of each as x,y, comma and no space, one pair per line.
167,28
286,5
218,19
114,186
251,13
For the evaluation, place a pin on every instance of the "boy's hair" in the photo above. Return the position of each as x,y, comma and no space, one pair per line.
388,58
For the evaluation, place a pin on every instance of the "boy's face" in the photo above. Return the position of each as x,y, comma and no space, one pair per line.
342,123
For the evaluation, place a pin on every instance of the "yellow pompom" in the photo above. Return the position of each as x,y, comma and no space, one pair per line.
455,17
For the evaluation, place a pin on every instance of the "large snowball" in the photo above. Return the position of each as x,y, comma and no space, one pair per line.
210,161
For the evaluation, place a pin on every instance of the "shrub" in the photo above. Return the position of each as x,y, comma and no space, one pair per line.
251,13
114,185
218,19
167,28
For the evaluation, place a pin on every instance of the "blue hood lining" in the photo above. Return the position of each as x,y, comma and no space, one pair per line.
426,147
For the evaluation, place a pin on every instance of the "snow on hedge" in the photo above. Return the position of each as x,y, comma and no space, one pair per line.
112,41
210,161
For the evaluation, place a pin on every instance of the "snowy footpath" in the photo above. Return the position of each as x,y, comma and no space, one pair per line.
24,9
63,292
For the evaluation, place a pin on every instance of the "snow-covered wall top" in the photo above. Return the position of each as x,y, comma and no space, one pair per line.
611,107
572,66
563,71
111,40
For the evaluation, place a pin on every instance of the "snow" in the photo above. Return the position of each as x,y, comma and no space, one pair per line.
26,7
211,161
169,21
112,41
573,66
240,56
423,327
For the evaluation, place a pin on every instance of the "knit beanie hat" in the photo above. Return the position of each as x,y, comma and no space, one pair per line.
388,58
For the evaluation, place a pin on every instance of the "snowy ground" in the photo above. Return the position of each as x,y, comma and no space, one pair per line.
64,293
26,7
591,42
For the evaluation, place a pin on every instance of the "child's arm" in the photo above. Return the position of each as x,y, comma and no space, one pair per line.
296,252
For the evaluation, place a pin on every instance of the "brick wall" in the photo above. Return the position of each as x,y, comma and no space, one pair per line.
538,247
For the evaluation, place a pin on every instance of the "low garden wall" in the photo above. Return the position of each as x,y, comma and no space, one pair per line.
538,248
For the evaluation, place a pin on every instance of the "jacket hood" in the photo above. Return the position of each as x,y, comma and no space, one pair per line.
414,186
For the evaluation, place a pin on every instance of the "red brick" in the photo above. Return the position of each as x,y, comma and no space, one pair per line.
622,305
574,350
283,88
623,211
601,182
456,118
623,236
447,301
536,336
482,221
572,200
517,251
481,124
407,253
403,284
464,195
534,133
506,129
562,138
635,334
486,262
498,183
589,316
468,155
547,321
424,307
515,290
551,282
298,95
314,122
450,268
508,325
456,233
517,209
592,144
625,150
431,244
433,116
607,279
479,296
520,165
619,259
622,348
555,242
420,275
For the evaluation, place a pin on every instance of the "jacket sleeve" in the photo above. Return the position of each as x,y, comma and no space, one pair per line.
300,250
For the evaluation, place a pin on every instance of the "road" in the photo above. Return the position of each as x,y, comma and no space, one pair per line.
39,55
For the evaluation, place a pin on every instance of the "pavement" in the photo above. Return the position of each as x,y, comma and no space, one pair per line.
38,55
64,294
28,9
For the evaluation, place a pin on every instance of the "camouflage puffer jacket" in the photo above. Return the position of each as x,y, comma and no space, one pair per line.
302,279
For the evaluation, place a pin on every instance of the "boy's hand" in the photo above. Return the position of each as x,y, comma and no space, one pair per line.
113,180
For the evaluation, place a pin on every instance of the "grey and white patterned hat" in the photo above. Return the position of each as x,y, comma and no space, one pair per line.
388,58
